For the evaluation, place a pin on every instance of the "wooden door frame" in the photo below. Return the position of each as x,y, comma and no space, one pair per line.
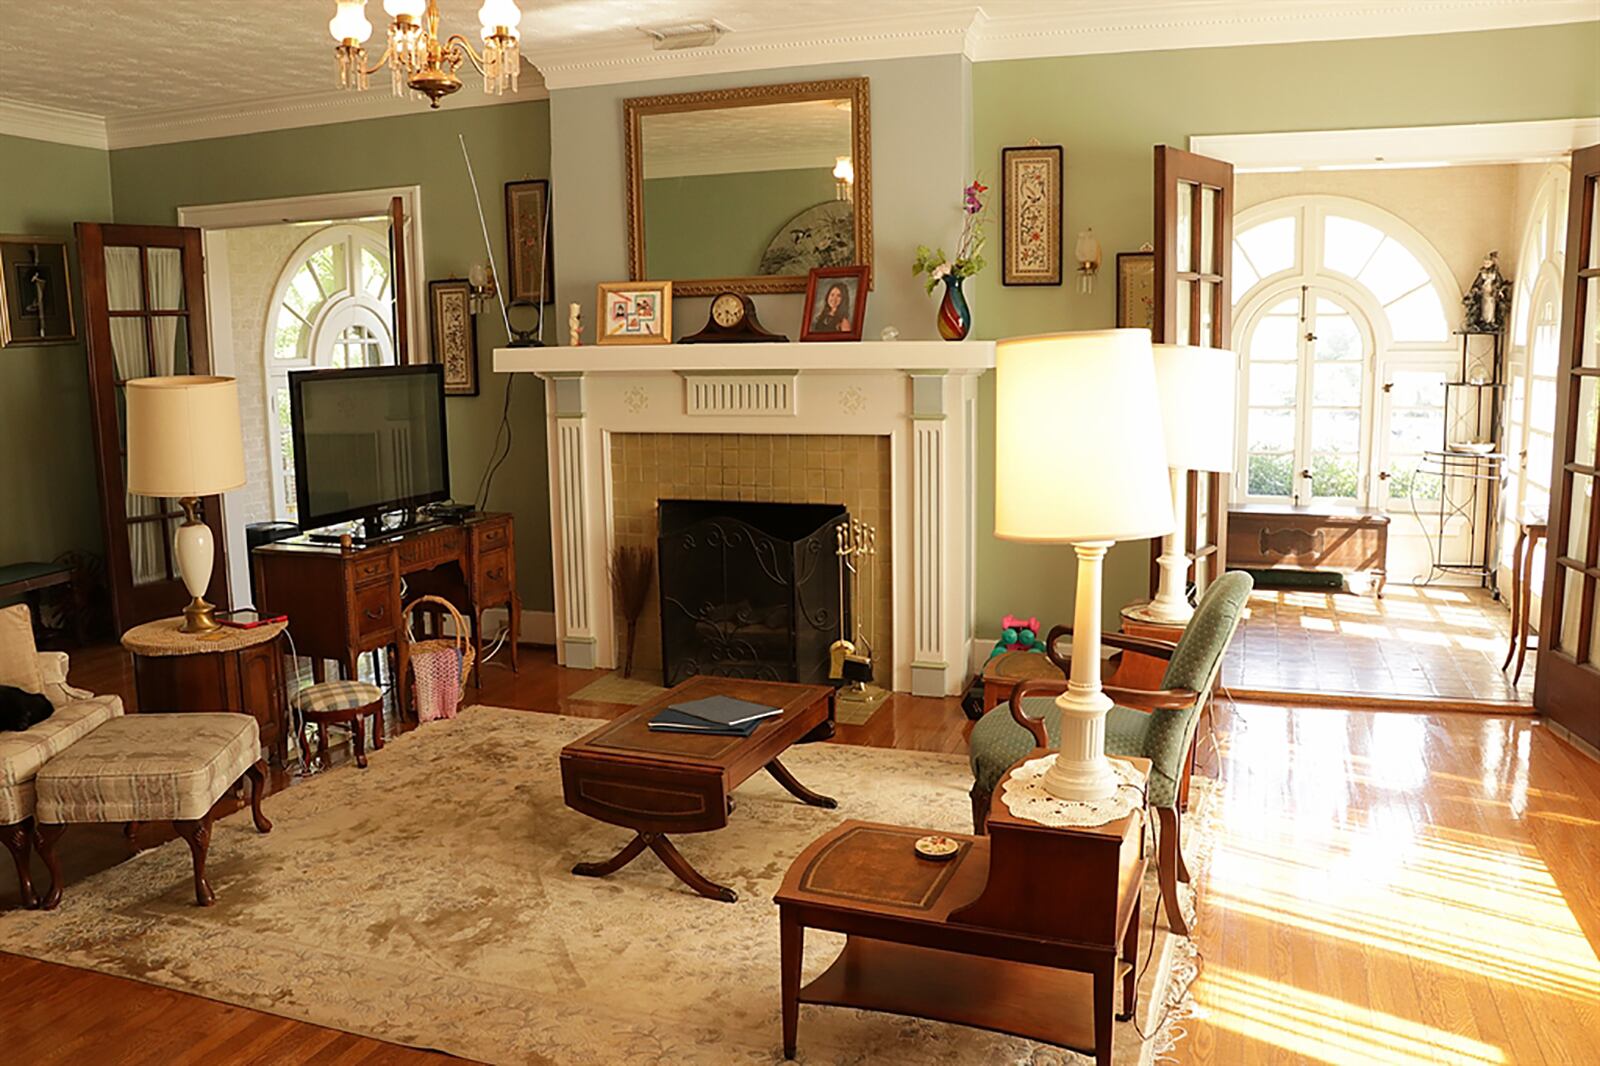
1567,686
129,605
1170,166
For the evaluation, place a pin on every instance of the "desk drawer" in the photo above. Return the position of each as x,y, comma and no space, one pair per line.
494,573
493,536
372,570
430,549
374,610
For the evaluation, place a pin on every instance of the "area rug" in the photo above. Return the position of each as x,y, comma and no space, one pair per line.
614,688
428,901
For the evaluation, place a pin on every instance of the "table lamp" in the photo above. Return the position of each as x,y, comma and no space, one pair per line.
1197,387
184,441
1080,461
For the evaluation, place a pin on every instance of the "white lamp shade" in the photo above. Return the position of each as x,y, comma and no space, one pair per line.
1197,387
183,436
349,22
1078,453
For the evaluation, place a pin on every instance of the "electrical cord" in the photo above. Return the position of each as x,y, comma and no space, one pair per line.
496,456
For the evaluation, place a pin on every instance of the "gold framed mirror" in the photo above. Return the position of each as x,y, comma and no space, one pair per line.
748,189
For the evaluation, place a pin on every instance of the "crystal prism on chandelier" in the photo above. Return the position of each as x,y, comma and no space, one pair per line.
418,61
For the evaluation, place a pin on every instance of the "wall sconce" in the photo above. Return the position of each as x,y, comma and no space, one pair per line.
480,281
844,179
1087,253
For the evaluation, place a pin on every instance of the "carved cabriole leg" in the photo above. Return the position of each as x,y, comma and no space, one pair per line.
18,837
46,836
1167,868
358,735
198,834
781,774
258,787
377,727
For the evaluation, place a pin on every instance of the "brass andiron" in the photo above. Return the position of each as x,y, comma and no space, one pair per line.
851,659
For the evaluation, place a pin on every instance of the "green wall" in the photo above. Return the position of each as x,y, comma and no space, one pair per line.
508,143
49,502
1109,110
719,225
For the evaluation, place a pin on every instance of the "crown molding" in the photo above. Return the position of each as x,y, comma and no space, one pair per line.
40,123
289,112
1162,25
947,32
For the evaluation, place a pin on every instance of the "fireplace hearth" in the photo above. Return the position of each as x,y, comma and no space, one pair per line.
749,589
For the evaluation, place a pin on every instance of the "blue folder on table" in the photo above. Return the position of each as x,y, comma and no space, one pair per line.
716,715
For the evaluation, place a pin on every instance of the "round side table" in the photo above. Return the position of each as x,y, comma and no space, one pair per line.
229,669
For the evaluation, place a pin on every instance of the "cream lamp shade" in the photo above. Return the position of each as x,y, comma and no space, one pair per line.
1078,456
1198,389
183,436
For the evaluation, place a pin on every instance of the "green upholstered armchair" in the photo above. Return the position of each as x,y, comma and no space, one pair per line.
1156,725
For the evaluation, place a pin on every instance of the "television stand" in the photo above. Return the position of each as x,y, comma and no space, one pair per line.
373,531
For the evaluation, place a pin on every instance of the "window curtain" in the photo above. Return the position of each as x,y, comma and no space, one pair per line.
125,293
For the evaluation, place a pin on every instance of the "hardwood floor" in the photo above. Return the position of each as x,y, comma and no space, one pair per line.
1385,888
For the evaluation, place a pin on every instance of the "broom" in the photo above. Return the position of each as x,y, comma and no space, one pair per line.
632,571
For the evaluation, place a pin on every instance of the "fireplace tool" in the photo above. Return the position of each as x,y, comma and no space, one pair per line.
851,658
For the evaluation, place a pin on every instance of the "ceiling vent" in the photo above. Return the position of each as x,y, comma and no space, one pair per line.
682,35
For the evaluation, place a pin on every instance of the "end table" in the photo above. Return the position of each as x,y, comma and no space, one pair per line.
238,670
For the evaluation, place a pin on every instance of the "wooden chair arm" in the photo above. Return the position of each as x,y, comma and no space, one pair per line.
1064,665
1034,686
1166,699
1161,649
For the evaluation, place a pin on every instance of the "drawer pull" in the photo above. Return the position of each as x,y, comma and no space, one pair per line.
496,575
376,613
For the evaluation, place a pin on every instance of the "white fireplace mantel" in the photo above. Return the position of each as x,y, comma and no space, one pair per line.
921,395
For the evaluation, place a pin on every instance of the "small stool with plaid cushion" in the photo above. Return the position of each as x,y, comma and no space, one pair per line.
340,703
150,768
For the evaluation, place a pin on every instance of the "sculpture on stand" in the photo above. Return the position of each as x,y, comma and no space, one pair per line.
1489,298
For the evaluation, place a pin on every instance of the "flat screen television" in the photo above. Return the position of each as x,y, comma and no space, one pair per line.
367,442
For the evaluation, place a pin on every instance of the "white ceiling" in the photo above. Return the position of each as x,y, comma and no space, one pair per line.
173,69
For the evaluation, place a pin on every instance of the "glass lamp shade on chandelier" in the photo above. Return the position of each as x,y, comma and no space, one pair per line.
1081,401
418,60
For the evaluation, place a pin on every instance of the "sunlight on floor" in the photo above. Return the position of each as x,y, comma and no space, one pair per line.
1330,1030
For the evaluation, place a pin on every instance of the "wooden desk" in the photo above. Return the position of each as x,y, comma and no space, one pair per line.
1346,539
343,603
983,939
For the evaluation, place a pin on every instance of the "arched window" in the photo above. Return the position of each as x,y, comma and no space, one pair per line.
333,307
1341,322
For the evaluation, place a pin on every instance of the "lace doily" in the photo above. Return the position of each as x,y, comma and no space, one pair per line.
1025,797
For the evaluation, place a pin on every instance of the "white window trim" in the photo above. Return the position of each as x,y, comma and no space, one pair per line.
1385,355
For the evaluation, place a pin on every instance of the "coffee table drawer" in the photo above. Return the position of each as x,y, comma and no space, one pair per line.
652,799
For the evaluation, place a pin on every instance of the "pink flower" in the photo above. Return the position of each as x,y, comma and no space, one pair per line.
939,271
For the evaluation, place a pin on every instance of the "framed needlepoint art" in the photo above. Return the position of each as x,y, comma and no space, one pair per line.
634,312
836,304
528,247
1030,212
455,341
1136,290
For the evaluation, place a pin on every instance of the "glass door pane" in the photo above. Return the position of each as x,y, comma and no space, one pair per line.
1338,375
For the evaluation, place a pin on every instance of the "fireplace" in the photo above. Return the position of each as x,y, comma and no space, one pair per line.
749,589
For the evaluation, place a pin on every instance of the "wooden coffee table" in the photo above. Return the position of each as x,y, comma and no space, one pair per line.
661,783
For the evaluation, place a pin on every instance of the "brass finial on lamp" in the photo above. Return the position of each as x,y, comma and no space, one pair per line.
1079,460
184,441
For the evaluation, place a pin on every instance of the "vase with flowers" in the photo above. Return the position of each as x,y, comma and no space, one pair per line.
955,317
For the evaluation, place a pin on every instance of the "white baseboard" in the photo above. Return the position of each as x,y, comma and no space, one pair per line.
538,627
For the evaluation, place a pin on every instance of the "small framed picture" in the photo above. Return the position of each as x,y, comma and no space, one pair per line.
634,312
836,303
1030,211
1136,290
455,340
528,248
35,292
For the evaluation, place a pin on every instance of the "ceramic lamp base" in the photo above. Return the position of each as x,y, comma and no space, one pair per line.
195,553
1081,770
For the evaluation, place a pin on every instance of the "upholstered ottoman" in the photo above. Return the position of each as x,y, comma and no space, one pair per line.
150,768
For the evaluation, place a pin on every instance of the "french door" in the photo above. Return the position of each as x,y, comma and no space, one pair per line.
1307,354
145,304
1194,305
1567,682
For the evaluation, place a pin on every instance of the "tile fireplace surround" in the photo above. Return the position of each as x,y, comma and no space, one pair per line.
920,396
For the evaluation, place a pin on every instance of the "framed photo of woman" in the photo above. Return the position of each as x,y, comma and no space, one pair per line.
836,304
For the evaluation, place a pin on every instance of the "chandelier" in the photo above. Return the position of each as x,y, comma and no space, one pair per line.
417,59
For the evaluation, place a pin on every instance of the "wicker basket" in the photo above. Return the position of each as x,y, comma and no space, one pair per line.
459,643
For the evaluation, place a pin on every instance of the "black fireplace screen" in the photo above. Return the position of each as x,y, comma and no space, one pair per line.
749,589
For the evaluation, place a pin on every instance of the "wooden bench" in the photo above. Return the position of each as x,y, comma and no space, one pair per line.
1335,537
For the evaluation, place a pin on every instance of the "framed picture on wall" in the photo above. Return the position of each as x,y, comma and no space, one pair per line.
35,292
1030,215
634,312
528,248
455,340
836,303
1136,290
